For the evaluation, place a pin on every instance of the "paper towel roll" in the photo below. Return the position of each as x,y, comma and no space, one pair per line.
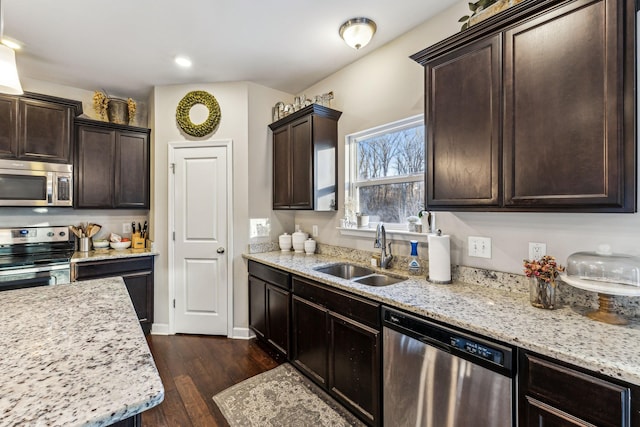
439,258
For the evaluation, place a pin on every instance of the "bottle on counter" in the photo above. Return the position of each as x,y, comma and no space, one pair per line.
414,263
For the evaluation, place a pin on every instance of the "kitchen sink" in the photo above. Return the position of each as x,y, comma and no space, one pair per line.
358,274
345,270
378,280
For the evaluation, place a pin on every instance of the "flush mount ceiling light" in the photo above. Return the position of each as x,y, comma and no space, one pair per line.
357,32
9,81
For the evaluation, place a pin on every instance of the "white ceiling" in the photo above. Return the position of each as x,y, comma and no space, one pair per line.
127,46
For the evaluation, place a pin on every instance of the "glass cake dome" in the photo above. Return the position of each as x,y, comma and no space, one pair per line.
604,266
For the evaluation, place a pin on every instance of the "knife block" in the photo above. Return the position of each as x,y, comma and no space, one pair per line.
137,242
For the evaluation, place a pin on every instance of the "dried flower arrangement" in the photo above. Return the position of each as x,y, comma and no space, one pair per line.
546,268
100,104
132,107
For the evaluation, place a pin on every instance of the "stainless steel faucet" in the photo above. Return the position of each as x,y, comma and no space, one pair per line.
381,242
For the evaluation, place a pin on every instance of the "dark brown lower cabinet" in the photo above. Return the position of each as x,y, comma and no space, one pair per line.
336,342
310,339
554,394
137,274
258,307
269,306
135,421
278,303
354,364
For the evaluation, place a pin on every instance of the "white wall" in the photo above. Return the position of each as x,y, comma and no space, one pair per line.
385,86
261,100
251,166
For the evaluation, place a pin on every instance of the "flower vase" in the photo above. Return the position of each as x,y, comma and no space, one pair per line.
542,294
118,111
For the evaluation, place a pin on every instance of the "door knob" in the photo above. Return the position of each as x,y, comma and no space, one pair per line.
220,250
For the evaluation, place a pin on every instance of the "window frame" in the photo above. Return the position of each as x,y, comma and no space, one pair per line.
352,184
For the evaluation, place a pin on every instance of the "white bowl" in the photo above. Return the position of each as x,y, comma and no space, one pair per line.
97,244
120,245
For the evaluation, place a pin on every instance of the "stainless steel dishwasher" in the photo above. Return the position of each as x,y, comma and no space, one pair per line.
435,376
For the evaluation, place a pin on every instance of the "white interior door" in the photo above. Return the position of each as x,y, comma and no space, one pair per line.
200,208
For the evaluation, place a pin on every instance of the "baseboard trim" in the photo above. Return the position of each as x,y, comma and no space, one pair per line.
160,329
242,333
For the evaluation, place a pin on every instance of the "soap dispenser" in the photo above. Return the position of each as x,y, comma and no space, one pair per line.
414,264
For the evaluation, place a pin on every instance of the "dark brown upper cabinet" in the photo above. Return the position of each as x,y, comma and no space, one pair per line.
112,166
37,127
534,110
305,159
463,135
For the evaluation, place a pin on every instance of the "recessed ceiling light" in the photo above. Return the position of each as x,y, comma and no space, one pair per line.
11,44
183,61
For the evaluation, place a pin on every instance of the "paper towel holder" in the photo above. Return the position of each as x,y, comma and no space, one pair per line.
438,233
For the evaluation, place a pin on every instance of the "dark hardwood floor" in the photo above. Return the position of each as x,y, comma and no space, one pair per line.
193,369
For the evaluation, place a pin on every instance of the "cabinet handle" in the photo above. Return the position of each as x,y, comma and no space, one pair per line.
220,250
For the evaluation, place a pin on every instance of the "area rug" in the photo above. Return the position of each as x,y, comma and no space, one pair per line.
281,397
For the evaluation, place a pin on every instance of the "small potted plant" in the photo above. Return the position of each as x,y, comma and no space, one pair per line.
542,285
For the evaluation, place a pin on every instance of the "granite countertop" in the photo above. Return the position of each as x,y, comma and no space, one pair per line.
74,355
108,253
565,334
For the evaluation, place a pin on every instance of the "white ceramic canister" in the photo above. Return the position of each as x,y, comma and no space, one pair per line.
298,239
309,246
285,242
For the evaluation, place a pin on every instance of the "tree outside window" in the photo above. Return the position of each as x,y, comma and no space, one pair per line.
386,170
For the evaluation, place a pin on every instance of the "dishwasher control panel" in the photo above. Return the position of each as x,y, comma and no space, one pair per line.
478,349
472,347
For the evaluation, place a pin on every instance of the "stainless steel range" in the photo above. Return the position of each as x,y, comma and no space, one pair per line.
35,256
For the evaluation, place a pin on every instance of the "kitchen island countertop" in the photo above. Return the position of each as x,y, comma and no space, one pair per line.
74,355
108,253
565,334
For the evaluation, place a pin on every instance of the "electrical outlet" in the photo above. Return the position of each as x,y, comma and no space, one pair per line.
480,247
537,250
314,231
126,228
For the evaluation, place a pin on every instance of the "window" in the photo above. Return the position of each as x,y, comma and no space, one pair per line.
385,170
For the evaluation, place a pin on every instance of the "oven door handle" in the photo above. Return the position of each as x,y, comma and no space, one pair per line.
34,269
41,279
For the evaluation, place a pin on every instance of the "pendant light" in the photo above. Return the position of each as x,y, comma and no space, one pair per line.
9,81
357,32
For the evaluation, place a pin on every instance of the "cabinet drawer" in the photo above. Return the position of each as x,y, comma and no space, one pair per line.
591,399
355,308
110,268
270,274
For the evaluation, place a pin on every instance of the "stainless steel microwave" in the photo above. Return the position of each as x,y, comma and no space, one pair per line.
35,184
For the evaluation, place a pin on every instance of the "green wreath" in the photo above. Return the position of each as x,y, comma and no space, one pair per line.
185,105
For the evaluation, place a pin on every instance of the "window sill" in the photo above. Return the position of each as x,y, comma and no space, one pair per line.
391,234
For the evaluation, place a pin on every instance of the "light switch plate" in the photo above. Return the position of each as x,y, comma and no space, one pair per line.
480,247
